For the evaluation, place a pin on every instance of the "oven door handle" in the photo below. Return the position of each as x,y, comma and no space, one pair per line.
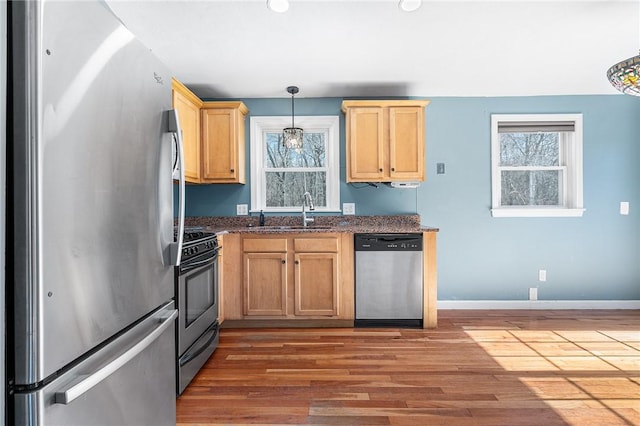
188,356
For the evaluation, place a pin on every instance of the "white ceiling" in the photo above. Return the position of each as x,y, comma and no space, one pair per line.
357,48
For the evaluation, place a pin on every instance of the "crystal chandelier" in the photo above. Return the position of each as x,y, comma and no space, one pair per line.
292,136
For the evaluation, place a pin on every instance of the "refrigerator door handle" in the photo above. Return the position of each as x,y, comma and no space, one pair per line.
88,382
175,249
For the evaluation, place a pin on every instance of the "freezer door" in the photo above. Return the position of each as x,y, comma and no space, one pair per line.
100,390
93,204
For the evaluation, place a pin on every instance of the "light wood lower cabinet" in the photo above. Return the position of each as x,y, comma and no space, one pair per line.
265,283
256,285
221,270
316,284
271,264
295,276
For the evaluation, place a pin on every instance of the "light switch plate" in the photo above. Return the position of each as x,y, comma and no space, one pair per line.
624,207
242,209
542,275
349,208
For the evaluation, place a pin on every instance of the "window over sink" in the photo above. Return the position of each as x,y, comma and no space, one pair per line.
280,176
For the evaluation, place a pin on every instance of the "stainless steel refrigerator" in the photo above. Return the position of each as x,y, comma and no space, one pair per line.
90,214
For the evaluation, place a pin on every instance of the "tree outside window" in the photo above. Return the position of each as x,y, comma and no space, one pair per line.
536,165
289,173
280,175
530,169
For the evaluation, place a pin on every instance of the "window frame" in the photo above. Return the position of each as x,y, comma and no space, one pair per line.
321,123
570,166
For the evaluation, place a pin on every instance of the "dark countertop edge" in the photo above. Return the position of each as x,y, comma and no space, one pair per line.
352,224
338,229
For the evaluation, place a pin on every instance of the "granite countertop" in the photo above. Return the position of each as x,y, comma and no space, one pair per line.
289,224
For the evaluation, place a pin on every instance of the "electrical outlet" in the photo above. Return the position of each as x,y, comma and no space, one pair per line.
542,275
349,208
624,207
242,209
533,293
440,168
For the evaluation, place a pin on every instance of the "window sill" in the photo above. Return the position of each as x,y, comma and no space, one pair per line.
536,212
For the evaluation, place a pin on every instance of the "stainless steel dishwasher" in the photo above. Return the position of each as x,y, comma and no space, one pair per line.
388,280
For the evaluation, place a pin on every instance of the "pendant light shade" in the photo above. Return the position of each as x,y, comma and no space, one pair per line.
625,76
292,136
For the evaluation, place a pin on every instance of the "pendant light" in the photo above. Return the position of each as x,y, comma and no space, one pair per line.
292,136
625,75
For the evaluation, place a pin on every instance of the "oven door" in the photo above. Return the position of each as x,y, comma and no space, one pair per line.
197,302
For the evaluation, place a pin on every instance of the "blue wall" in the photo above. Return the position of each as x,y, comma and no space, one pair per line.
595,257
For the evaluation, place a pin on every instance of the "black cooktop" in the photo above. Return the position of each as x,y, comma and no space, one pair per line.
194,233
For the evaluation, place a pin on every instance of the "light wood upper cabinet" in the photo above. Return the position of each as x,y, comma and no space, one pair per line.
188,106
223,142
385,140
213,137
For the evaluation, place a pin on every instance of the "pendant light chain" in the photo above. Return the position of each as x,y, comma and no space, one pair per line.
293,113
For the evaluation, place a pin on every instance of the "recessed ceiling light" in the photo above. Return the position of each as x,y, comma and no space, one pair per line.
409,5
279,6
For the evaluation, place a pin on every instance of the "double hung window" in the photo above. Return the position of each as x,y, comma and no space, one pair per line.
536,165
280,176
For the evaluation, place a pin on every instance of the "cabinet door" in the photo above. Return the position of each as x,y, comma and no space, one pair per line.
219,141
366,140
189,116
265,284
316,284
406,143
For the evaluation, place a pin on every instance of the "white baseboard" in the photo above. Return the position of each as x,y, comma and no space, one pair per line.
538,304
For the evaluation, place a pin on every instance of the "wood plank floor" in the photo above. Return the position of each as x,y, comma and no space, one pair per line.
477,368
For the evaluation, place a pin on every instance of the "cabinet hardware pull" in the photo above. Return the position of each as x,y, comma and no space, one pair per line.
297,262
393,169
232,170
284,261
380,170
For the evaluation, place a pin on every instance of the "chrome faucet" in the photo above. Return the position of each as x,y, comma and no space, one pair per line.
306,201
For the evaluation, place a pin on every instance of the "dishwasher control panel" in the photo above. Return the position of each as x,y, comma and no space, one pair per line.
388,242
